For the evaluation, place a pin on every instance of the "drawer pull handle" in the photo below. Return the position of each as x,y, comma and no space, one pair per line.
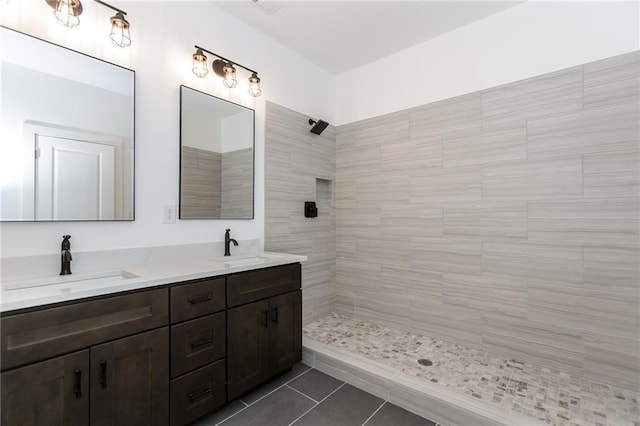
103,374
200,299
202,342
197,395
265,319
77,387
274,314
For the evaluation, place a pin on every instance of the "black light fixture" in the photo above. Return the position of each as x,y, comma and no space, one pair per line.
225,69
120,35
67,12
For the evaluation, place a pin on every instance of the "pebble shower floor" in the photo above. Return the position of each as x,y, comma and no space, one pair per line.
551,396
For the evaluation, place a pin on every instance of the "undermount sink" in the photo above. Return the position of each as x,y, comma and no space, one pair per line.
250,260
66,284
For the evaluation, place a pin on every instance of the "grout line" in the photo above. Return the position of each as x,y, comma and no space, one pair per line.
374,413
305,395
245,404
237,412
303,414
279,387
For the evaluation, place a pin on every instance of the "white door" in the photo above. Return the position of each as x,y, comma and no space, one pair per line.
74,179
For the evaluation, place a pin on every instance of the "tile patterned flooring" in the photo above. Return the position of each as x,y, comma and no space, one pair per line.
307,397
545,394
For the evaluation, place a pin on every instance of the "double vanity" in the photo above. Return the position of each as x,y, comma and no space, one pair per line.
153,345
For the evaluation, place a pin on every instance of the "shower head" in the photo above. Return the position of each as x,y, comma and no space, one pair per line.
318,126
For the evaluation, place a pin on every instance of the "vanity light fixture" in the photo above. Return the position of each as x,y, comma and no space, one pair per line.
120,35
67,12
224,68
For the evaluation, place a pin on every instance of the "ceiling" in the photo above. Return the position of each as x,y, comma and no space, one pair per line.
339,36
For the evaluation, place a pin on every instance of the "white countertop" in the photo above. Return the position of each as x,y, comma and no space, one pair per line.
20,294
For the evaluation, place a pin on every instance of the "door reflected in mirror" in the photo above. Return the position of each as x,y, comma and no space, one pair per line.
66,132
216,157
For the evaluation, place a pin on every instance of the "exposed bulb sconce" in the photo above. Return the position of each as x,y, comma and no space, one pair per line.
67,12
225,69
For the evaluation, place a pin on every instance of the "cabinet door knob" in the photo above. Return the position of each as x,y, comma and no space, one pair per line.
103,374
77,387
274,314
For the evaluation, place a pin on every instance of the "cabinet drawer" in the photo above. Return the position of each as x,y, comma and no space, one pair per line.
196,299
247,287
49,332
197,393
197,342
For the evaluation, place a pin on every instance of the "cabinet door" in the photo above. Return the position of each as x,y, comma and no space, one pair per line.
130,380
286,331
48,393
247,347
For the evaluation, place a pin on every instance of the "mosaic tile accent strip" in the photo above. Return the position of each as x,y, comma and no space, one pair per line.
552,396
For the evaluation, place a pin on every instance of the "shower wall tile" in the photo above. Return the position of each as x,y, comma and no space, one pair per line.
534,342
584,132
451,254
488,293
485,145
445,184
451,115
612,269
507,219
532,260
611,222
486,218
294,160
533,179
587,311
612,174
609,358
550,94
612,81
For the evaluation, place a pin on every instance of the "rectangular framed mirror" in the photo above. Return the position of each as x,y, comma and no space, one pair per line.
216,157
66,132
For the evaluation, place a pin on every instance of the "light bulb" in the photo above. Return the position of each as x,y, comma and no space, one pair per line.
229,76
200,64
254,85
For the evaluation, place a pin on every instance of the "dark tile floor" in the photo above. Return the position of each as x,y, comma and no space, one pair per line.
307,397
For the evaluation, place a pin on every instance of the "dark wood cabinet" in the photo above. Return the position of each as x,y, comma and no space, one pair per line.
130,380
47,393
264,337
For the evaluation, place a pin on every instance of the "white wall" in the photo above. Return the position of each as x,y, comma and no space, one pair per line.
235,133
163,35
523,41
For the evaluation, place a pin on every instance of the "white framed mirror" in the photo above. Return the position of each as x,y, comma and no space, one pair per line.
66,132
216,157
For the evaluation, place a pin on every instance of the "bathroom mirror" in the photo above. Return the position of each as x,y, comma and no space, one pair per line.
66,134
216,157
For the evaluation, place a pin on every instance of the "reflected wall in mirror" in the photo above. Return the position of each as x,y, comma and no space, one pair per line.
216,157
66,134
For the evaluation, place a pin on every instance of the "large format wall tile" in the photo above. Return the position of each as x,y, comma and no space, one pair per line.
486,219
533,179
612,81
612,222
485,145
506,219
612,174
550,94
525,259
584,132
